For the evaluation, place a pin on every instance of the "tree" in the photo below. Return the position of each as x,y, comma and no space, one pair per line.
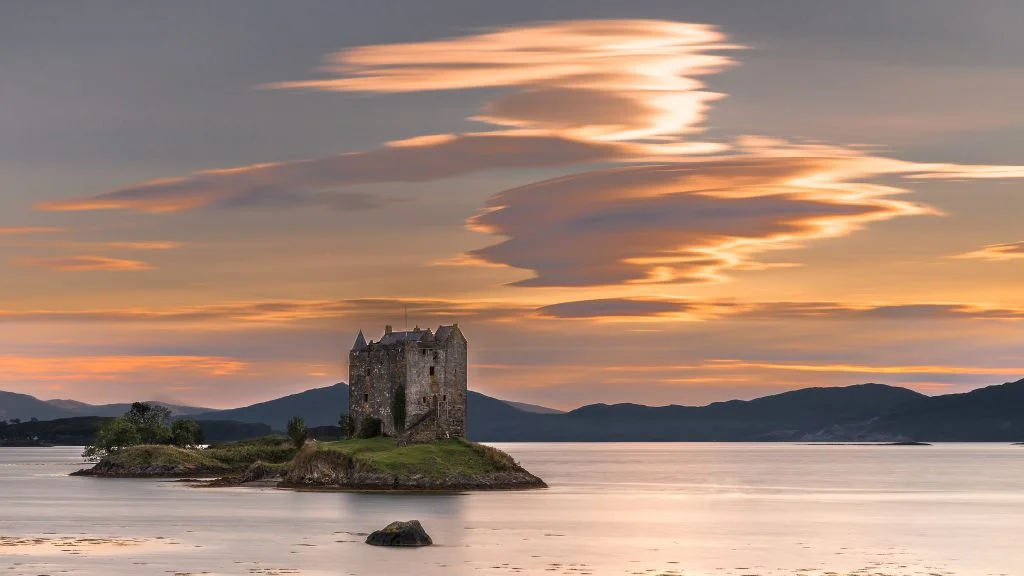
15,421
151,422
33,419
346,425
115,435
186,434
297,431
370,427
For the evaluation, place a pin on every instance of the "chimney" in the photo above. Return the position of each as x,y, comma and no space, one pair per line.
387,329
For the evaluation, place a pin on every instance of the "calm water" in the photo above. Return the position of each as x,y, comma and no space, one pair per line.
690,509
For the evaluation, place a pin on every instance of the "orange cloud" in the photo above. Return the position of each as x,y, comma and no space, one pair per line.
997,252
20,369
599,79
85,264
281,311
653,309
276,184
26,230
684,222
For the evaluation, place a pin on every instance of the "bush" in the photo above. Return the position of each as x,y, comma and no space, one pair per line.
297,431
370,428
346,425
186,434
115,435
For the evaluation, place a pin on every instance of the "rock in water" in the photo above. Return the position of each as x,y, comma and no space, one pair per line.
400,534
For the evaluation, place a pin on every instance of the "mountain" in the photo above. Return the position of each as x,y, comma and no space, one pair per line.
113,410
25,407
865,412
783,417
533,408
318,407
994,413
323,406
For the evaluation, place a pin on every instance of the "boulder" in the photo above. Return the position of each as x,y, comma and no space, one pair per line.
400,534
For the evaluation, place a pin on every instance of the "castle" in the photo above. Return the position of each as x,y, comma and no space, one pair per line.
413,381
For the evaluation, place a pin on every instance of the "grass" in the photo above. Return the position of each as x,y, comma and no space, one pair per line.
147,455
273,451
268,449
438,459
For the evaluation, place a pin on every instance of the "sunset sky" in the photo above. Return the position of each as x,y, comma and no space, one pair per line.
651,202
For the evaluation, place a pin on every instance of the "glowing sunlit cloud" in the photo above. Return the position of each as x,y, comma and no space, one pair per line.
410,161
997,252
866,369
85,264
600,79
279,312
657,310
684,222
19,369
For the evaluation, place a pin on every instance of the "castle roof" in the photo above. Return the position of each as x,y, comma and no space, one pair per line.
408,336
443,332
360,342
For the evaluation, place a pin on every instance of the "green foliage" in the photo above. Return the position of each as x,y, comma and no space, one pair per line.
438,459
398,409
113,436
152,422
270,449
186,434
297,431
149,455
370,428
346,425
143,424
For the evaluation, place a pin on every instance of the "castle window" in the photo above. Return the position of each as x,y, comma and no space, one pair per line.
369,371
431,370
423,352
366,398
444,398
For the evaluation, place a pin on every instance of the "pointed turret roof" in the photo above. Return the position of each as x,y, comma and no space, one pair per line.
360,342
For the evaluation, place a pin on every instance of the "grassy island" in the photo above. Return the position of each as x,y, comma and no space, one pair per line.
356,464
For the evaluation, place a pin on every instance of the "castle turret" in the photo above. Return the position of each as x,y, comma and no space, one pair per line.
360,342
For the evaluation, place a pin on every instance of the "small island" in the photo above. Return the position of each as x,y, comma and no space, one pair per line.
354,464
406,430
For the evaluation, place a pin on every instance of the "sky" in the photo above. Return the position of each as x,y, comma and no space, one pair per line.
651,202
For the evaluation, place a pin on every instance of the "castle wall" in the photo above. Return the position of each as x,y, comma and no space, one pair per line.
457,388
423,390
377,373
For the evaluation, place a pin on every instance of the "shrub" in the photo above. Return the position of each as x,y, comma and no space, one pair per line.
346,425
186,434
297,431
370,428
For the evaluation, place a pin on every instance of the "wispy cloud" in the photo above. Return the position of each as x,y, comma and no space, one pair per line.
302,182
28,230
20,369
85,264
997,252
596,80
654,309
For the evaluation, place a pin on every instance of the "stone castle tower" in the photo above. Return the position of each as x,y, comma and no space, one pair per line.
429,367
